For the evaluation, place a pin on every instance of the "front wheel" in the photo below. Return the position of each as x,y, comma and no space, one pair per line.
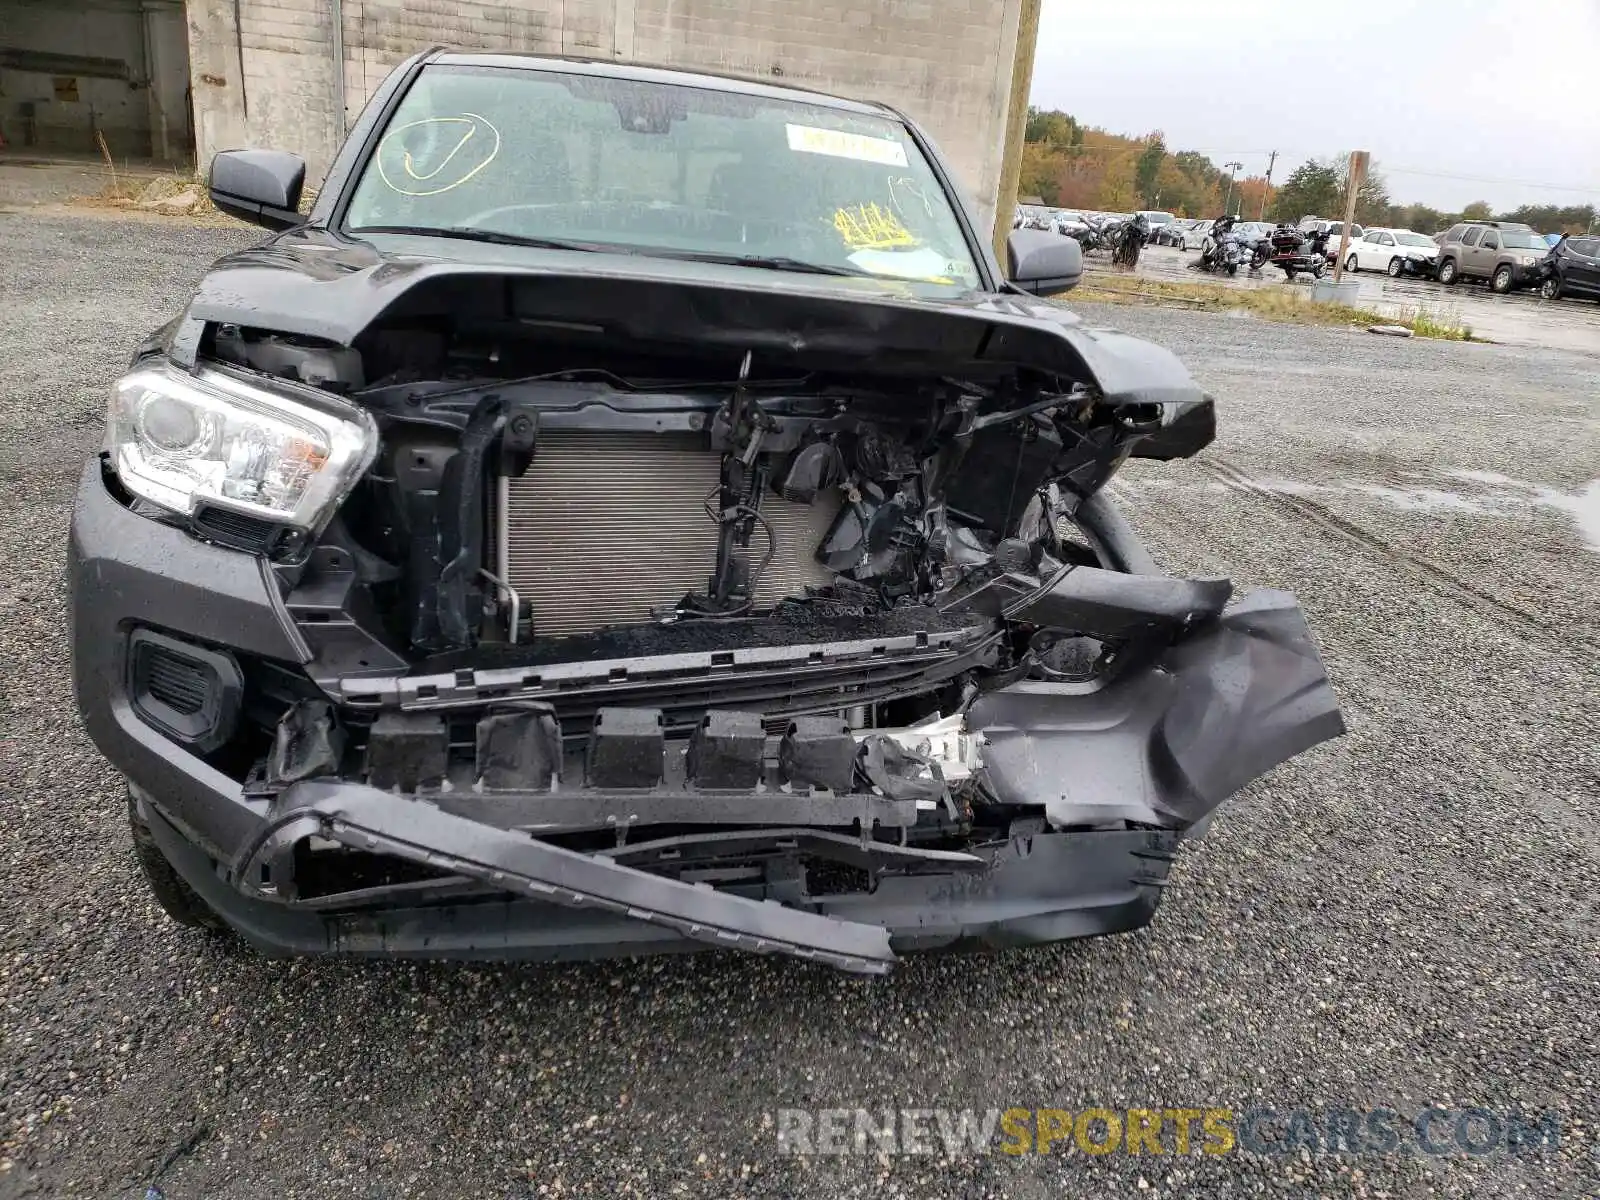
1550,289
1448,272
171,891
1394,268
1500,281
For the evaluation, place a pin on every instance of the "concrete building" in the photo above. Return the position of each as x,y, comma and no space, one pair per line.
74,72
292,74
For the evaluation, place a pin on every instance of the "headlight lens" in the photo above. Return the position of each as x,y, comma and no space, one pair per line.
290,456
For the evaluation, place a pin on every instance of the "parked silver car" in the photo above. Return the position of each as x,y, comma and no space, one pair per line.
1508,254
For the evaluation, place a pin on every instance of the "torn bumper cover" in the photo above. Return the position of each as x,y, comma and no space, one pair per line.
1122,771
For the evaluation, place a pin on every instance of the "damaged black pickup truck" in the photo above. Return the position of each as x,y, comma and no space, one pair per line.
632,512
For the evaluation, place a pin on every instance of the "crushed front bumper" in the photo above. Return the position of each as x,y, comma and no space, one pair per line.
540,902
1118,774
1527,275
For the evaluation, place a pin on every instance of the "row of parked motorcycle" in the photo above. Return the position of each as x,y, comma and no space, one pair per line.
1226,248
1122,236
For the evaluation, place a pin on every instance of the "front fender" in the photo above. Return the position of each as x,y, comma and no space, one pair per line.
1165,744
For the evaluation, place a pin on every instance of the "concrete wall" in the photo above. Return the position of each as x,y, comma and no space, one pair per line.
947,63
70,69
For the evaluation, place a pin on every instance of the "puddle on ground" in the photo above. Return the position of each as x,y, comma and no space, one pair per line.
1494,495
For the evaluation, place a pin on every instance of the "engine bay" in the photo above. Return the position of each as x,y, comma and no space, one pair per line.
524,491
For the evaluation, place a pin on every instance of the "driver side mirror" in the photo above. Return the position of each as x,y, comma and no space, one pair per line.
1043,263
259,186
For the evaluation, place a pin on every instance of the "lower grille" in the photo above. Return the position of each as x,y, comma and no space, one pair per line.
605,528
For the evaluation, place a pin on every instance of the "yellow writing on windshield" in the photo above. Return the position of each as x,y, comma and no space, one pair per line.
871,226
448,151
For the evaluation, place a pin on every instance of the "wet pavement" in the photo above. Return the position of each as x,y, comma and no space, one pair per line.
1520,319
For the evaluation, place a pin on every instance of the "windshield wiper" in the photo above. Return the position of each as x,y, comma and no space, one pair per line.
496,237
774,262
469,233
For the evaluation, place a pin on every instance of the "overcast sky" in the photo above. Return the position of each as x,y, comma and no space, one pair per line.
1504,91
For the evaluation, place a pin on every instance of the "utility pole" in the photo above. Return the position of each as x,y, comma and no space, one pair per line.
1357,176
1232,167
1016,124
1272,160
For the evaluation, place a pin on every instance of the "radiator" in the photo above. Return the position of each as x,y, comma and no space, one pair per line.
606,528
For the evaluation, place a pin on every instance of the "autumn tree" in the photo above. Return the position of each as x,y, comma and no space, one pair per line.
1148,166
1119,189
1070,165
1250,194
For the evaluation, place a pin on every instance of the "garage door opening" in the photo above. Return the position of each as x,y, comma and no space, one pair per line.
74,72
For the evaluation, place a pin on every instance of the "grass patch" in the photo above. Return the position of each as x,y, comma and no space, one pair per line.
1291,305
1427,325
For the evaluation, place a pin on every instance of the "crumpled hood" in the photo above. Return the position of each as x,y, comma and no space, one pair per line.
312,282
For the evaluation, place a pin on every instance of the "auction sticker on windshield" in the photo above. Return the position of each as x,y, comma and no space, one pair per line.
810,140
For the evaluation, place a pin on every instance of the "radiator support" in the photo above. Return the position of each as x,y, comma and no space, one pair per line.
612,528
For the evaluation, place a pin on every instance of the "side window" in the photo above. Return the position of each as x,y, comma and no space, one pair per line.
1454,235
1491,241
1471,236
1587,246
1385,240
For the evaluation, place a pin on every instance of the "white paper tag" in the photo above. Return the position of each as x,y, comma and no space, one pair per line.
808,139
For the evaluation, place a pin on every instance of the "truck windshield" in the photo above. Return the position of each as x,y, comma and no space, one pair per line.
598,163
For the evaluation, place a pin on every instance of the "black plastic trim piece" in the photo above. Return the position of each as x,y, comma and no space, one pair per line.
211,722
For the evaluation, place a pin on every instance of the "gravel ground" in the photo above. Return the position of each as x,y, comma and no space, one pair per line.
1402,917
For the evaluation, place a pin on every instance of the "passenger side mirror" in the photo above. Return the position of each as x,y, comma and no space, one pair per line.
1043,263
259,186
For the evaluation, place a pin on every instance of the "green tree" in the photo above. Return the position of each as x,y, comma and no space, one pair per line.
1419,217
1372,200
1148,167
1197,167
1053,127
1548,218
1313,189
1478,210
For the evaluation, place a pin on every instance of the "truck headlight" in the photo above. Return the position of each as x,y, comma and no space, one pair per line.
287,454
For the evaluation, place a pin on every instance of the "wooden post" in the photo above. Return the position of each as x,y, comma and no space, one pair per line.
1358,176
1005,201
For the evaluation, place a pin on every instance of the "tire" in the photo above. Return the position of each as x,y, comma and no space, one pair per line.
1551,288
1318,269
1394,269
1449,272
176,898
1352,264
1232,268
1500,281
